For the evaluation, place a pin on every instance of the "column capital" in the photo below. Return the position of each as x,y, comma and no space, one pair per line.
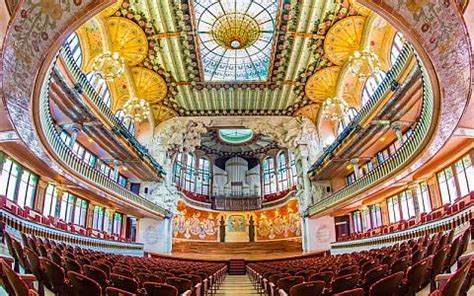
354,161
396,126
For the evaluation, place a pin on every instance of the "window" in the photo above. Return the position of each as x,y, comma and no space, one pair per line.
85,155
407,205
376,215
80,212
18,184
27,189
465,175
8,180
269,179
177,169
117,224
107,225
366,222
98,218
282,172
122,180
50,201
393,209
396,47
203,176
350,179
371,86
423,197
100,86
67,207
189,173
293,171
357,221
447,185
75,47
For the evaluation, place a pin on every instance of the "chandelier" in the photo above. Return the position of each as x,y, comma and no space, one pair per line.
334,108
138,109
109,65
364,63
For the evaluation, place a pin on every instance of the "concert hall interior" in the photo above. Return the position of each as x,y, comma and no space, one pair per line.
236,147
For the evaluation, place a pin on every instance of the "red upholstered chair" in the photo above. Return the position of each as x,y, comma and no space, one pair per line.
97,274
287,283
417,276
156,289
181,284
306,273
16,285
34,265
343,283
20,255
400,265
374,275
325,276
56,277
353,292
124,283
454,285
83,285
272,280
437,266
144,277
348,270
308,289
55,257
72,265
197,282
388,286
111,291
123,271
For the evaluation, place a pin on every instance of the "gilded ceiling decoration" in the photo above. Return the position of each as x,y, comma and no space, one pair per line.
91,35
162,113
309,111
149,85
343,39
128,40
322,84
109,11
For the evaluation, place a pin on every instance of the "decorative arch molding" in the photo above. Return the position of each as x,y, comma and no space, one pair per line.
37,30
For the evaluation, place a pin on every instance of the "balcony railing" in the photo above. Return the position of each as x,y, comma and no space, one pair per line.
77,165
400,158
384,87
227,203
83,86
16,225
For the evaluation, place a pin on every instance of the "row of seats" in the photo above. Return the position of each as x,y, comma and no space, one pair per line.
50,221
68,270
401,269
434,215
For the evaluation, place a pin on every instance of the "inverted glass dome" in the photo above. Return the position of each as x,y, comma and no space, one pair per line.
235,136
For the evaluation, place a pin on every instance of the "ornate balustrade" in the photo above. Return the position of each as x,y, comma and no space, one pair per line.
401,157
457,221
67,156
16,225
388,84
83,86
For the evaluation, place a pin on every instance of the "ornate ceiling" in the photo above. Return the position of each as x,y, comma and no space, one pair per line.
212,58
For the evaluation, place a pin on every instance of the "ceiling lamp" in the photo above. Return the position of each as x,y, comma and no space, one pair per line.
109,65
364,63
138,109
335,108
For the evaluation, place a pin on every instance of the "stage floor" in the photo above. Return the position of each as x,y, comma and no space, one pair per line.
236,255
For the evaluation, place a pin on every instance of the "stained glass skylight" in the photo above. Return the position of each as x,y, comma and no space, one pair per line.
235,38
235,136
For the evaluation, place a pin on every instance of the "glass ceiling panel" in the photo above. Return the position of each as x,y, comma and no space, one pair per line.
235,38
235,136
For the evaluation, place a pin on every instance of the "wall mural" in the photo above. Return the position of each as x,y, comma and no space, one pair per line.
280,223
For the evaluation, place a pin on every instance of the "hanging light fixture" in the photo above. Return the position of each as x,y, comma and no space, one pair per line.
138,109
109,65
364,63
335,108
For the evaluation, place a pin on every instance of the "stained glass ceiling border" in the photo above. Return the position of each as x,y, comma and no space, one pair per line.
235,38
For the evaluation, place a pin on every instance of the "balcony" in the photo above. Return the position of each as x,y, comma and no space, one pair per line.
75,165
404,155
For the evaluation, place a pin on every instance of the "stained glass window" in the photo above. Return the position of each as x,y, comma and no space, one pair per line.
235,38
235,136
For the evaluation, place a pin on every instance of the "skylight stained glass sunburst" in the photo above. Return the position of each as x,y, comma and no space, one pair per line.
235,38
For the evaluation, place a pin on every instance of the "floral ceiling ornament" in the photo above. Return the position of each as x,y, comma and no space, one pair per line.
178,135
335,108
138,109
364,64
109,65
